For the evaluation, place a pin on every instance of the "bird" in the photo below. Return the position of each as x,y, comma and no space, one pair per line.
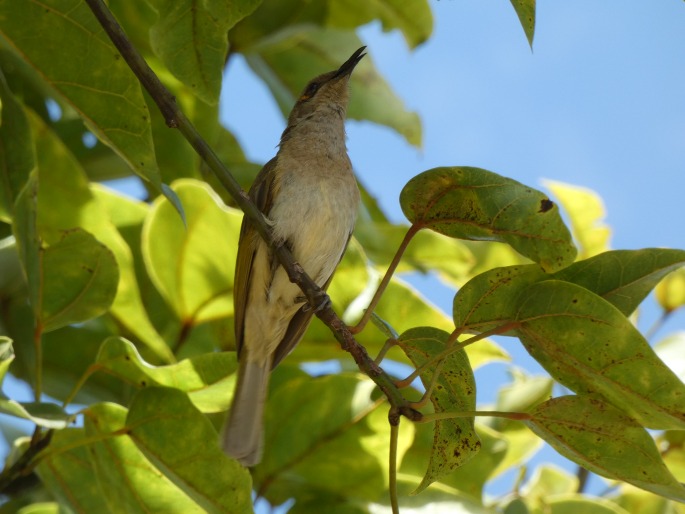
309,195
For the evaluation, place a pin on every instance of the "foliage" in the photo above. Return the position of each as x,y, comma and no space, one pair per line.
113,309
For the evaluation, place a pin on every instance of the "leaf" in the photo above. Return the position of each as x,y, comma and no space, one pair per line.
195,277
190,37
323,434
65,200
208,379
572,503
623,277
671,350
586,212
67,472
182,443
670,292
525,10
588,345
606,441
6,356
48,415
455,440
97,83
288,62
43,508
16,150
130,482
522,394
475,204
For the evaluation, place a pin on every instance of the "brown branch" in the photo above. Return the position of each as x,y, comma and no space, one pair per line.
176,119
22,467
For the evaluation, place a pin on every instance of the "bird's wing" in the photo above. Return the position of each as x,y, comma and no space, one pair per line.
261,193
298,325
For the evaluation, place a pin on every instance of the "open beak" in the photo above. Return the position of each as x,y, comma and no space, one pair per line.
349,65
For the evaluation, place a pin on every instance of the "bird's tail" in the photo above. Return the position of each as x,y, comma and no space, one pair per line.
242,436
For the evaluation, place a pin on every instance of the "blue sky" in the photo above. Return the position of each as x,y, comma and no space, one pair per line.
599,103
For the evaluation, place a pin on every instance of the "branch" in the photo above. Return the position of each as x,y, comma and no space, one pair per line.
176,119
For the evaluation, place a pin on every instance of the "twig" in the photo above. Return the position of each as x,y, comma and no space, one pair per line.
176,119
22,466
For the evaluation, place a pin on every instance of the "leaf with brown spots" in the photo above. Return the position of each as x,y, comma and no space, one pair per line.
454,440
479,205
606,441
588,345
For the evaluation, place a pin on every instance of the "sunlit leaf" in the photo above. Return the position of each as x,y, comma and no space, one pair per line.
319,436
16,150
67,472
181,441
130,482
670,292
547,481
287,63
455,441
606,441
48,415
522,394
98,83
195,278
586,213
588,345
476,204
191,39
208,379
573,503
525,9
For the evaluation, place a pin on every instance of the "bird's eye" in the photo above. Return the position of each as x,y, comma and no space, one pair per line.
311,89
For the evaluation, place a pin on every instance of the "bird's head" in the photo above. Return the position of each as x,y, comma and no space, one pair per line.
327,93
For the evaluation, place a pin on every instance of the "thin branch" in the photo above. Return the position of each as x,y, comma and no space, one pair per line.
22,466
392,457
413,230
176,119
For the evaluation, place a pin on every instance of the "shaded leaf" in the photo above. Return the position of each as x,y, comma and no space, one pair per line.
287,63
130,482
589,346
475,204
195,278
48,415
586,212
98,84
525,10
208,379
606,441
455,441
6,356
180,441
16,150
190,37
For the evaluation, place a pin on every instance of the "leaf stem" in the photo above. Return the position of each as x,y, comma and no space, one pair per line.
392,464
437,416
38,346
413,230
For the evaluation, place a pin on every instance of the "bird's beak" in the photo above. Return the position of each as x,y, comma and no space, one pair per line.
349,65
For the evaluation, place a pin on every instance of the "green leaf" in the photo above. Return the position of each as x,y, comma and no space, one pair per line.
190,37
606,441
324,434
453,390
470,478
525,9
475,204
43,508
194,276
6,356
181,442
288,62
97,83
586,212
670,292
208,379
67,472
574,503
48,415
130,482
16,150
624,277
548,481
522,394
65,200
588,345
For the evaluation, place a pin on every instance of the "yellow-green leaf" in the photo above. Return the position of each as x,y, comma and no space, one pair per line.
670,292
525,10
476,204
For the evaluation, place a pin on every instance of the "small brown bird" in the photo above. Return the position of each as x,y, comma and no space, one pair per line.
309,194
